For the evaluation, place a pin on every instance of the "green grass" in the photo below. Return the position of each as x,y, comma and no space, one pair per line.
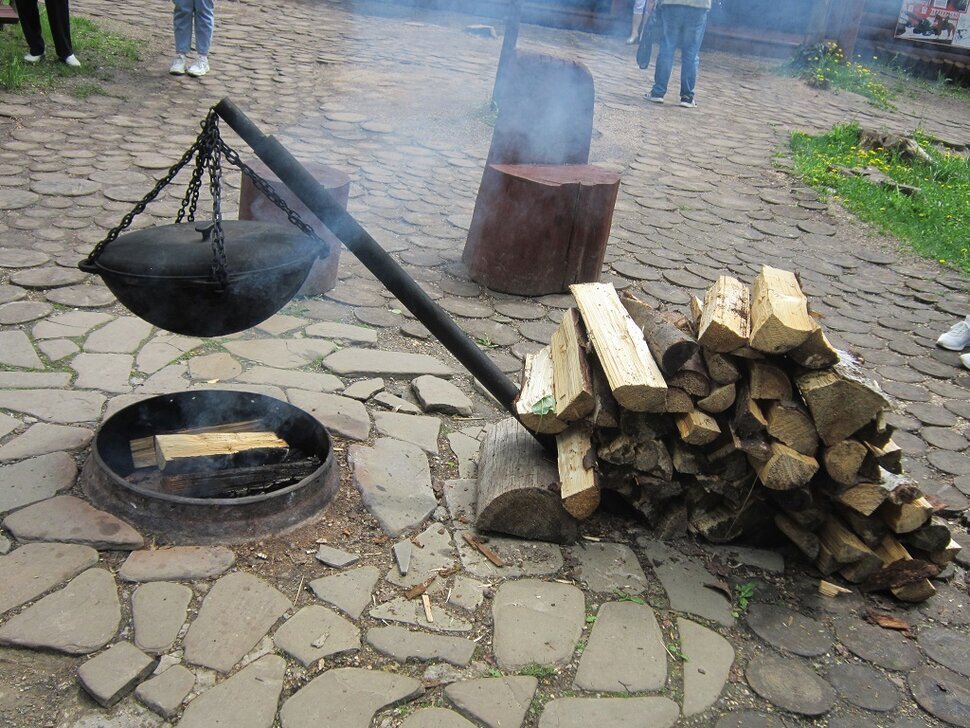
823,66
100,53
538,671
934,222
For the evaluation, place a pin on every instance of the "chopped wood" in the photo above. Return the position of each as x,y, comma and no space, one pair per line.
785,468
619,451
426,602
143,452
692,377
678,401
578,489
633,375
418,589
844,545
535,406
825,562
217,449
143,448
899,569
719,400
651,456
572,382
945,555
889,456
815,352
717,525
877,432
871,531
932,537
828,589
767,381
864,498
790,423
906,517
841,401
916,592
806,541
721,367
516,487
232,481
724,321
862,569
485,551
697,428
670,346
605,409
696,311
748,417
810,519
779,312
887,621
757,445
688,460
843,459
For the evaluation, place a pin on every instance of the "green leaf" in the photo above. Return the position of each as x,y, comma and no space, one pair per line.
544,406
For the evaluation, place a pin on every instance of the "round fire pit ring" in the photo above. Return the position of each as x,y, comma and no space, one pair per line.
110,479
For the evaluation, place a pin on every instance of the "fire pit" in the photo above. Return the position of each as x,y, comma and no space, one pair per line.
231,498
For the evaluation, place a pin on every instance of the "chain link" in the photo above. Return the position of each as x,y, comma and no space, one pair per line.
210,148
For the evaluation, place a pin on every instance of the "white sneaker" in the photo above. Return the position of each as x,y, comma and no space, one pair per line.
199,67
33,59
957,338
178,65
72,61
655,99
965,360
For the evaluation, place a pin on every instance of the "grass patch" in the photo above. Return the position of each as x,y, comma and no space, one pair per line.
538,671
99,51
934,222
823,66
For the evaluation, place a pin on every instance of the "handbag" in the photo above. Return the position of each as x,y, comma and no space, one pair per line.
648,29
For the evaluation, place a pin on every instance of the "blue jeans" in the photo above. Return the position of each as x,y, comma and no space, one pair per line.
201,14
681,27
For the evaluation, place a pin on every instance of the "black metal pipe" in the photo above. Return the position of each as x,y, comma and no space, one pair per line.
342,224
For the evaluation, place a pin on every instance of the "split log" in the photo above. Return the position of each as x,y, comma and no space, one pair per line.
841,401
535,406
717,525
671,522
652,457
692,377
233,482
757,445
945,555
859,571
811,519
871,531
214,450
678,401
767,381
697,428
806,541
696,311
571,379
578,487
688,460
724,321
748,417
906,517
785,468
864,498
619,451
904,576
143,452
719,400
721,367
825,562
843,459
605,409
845,546
143,448
790,423
828,589
517,491
670,346
889,456
815,352
634,377
932,537
779,312
877,432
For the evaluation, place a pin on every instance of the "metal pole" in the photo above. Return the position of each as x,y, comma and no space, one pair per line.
295,176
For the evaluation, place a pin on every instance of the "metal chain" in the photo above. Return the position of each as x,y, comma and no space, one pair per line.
210,147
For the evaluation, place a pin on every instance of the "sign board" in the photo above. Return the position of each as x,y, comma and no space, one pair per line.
945,22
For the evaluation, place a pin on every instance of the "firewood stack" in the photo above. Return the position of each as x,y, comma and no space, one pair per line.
738,417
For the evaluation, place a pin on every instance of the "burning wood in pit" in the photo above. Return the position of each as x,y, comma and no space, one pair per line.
228,460
739,418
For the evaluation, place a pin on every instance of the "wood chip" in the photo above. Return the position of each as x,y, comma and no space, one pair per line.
418,589
426,601
886,621
485,550
828,589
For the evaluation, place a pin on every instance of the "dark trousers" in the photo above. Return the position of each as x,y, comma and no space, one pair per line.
59,15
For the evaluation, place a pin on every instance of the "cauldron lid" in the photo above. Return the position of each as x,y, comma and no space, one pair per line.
179,250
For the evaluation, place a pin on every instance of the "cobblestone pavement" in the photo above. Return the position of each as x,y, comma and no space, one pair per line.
311,628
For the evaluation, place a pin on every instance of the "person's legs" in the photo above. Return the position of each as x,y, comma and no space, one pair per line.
671,19
182,26
30,25
59,16
204,24
691,37
639,7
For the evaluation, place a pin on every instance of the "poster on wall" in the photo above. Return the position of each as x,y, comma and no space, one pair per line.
935,21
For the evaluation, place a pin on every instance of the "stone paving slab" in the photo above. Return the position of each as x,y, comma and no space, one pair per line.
356,362
346,698
629,712
394,480
431,552
435,718
522,558
350,592
316,632
790,684
43,439
17,351
248,699
68,519
80,618
402,645
342,415
32,569
709,661
683,579
625,652
786,629
65,408
158,612
608,568
495,702
536,623
412,612
166,692
35,479
236,613
439,395
417,429
114,673
177,563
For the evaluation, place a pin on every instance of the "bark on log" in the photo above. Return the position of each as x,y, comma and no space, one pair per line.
517,491
815,352
692,377
670,346
844,545
605,409
635,379
790,423
779,312
806,541
536,403
724,322
931,537
841,401
748,417
945,555
871,531
906,517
